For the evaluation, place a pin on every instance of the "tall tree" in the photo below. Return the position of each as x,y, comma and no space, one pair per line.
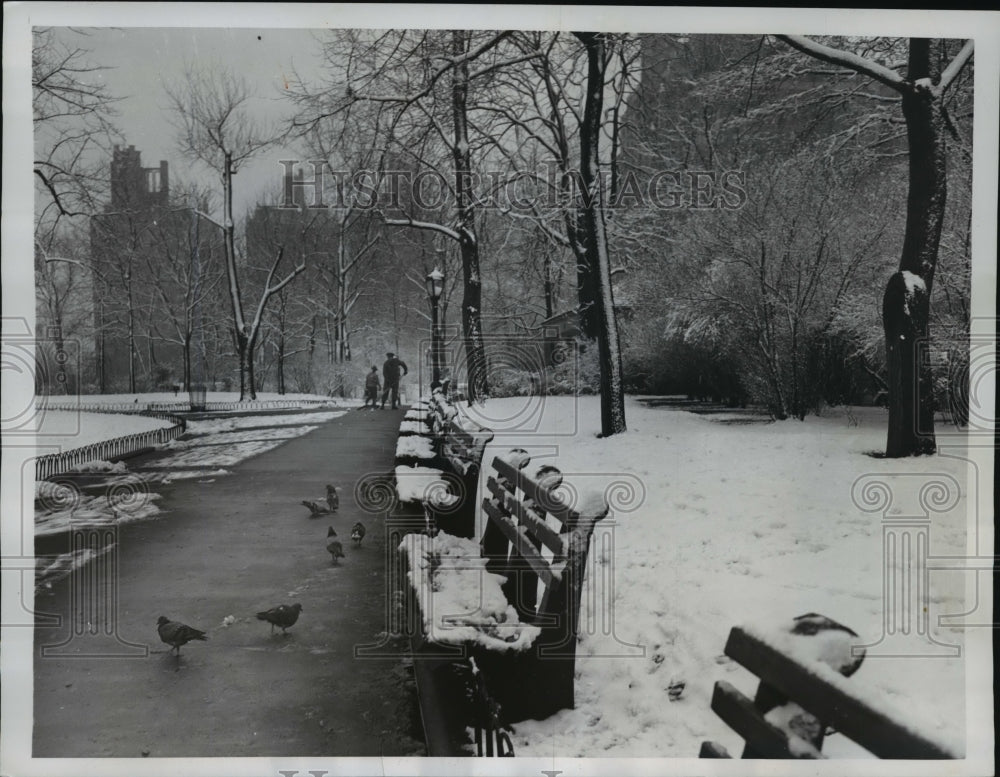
72,115
403,76
598,264
906,302
212,110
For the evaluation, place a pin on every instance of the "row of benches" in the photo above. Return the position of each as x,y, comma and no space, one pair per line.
493,622
493,619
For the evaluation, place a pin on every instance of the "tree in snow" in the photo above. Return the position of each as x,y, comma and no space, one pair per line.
414,88
72,114
906,302
598,263
216,127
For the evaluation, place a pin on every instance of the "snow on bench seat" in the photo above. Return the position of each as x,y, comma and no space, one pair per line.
414,483
459,601
414,447
413,427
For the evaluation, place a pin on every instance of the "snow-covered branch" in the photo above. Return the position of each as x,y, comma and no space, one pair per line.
959,62
867,67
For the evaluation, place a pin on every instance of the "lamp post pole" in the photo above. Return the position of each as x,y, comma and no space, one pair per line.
435,349
435,287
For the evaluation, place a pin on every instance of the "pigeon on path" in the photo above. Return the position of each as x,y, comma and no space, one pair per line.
333,547
358,533
284,615
176,634
332,500
325,506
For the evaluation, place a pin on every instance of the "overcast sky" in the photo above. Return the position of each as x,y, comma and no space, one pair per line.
140,61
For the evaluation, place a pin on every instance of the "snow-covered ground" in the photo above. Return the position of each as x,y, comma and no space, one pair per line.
717,525
211,396
61,430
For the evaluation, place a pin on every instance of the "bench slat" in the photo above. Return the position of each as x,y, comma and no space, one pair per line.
552,539
548,574
739,713
871,729
531,490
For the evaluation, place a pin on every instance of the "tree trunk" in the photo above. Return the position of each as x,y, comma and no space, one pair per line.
131,338
281,363
241,350
472,323
101,379
906,303
598,263
250,349
239,323
187,361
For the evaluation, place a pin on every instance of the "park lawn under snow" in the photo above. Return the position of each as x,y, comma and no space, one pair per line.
210,396
63,430
731,524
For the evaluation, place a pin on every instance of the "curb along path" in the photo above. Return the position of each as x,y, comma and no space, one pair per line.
222,550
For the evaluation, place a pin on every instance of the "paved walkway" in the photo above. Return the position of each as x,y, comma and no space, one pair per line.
240,544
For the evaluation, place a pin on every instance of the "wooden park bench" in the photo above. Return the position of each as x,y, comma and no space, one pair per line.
458,452
494,624
802,693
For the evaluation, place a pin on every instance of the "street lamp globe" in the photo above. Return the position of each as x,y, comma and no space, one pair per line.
435,284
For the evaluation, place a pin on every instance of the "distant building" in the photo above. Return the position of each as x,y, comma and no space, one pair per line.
157,292
134,187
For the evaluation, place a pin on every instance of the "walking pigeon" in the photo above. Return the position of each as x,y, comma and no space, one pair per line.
315,508
358,533
284,615
318,507
332,500
176,634
333,547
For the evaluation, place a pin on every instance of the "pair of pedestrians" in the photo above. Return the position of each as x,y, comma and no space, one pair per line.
391,373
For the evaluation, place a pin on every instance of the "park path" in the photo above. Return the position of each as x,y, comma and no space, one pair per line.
232,547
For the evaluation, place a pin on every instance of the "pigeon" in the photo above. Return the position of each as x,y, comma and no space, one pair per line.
176,634
284,615
329,505
836,647
333,547
316,508
332,500
358,533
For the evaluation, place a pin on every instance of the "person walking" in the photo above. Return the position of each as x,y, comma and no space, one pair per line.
372,385
390,373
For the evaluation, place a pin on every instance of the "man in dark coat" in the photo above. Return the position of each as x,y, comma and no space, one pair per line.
390,372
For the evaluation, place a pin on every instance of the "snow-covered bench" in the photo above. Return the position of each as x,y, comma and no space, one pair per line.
459,445
804,688
506,606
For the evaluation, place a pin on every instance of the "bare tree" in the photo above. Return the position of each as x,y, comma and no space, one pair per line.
598,263
72,115
403,76
181,283
906,303
212,110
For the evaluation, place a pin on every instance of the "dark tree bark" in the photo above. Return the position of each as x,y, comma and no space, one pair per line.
906,304
598,266
472,290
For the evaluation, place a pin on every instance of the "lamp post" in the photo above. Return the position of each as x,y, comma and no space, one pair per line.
435,287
